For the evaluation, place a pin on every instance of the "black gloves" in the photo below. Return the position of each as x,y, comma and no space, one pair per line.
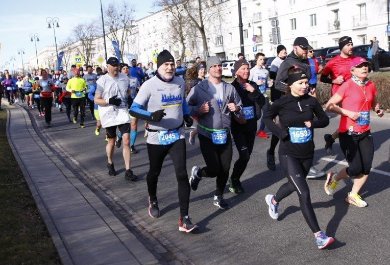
188,120
115,101
158,115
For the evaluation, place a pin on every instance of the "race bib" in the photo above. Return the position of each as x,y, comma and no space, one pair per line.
79,94
249,112
364,118
168,137
219,137
262,87
300,135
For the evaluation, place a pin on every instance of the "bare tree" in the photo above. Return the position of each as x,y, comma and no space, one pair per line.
119,22
178,25
86,34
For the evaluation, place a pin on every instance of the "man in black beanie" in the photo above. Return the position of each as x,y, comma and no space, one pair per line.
161,102
336,72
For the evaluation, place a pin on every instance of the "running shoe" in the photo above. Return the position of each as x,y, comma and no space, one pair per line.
315,173
323,241
154,211
82,125
236,187
262,134
118,141
129,175
194,179
272,208
271,161
74,120
191,139
355,199
97,131
330,184
111,169
328,143
133,150
185,224
220,202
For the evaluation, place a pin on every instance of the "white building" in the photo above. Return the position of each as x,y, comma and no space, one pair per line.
265,24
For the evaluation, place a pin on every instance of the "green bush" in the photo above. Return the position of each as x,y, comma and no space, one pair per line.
382,83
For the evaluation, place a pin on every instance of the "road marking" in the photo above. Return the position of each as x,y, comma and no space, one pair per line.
346,164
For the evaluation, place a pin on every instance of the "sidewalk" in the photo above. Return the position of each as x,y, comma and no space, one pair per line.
84,230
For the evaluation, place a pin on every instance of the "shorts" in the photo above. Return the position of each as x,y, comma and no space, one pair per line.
96,113
123,128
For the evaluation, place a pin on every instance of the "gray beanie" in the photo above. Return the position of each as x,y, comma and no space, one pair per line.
212,60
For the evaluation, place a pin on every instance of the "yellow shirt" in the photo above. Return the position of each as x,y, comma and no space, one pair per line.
78,85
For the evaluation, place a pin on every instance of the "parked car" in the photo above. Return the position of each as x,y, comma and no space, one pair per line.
320,54
361,51
227,68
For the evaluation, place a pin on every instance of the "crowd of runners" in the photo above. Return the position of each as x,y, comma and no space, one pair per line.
220,115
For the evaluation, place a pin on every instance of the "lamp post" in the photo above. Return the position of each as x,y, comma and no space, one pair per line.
34,38
240,28
104,32
53,22
12,59
21,52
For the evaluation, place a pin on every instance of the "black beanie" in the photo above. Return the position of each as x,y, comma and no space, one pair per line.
344,41
163,57
280,48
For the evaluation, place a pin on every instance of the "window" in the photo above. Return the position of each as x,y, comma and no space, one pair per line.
313,20
336,21
292,2
293,23
219,41
362,11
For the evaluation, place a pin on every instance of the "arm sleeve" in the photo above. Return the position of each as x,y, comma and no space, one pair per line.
138,111
186,110
325,74
322,119
269,117
192,102
68,86
281,77
91,93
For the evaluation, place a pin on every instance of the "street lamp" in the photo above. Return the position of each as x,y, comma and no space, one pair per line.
21,52
240,28
12,59
34,38
53,22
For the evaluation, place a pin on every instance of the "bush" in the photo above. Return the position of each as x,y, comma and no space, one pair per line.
382,83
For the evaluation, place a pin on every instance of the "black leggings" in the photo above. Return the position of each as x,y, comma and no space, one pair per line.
46,104
358,151
296,169
38,103
218,158
68,106
244,139
76,103
177,152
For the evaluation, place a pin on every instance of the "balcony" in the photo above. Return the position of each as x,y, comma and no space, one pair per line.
334,26
257,39
359,21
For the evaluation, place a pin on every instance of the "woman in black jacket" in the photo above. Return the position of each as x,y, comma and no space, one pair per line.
296,112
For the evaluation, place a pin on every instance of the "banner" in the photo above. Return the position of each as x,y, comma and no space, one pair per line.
78,60
115,44
59,60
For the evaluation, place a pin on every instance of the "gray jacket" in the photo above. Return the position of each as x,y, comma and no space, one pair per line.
216,118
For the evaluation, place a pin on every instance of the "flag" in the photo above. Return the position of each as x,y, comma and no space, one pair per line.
115,44
59,60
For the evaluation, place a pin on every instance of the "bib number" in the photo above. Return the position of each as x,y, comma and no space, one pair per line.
219,137
364,118
168,137
249,112
262,87
300,135
79,94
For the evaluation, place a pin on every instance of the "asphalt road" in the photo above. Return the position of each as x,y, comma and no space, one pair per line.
244,234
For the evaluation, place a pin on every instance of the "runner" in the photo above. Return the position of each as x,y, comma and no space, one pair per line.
112,96
336,72
296,111
213,102
77,86
357,96
90,78
46,86
244,129
161,102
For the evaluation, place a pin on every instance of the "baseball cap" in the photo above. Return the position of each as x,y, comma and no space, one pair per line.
113,61
302,42
358,61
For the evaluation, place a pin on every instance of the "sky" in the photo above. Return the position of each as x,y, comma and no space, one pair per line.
20,19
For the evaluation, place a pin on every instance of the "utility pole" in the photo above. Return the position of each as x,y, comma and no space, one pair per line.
54,22
21,52
104,32
34,38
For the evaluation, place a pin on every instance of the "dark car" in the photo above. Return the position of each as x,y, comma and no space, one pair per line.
361,51
320,54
